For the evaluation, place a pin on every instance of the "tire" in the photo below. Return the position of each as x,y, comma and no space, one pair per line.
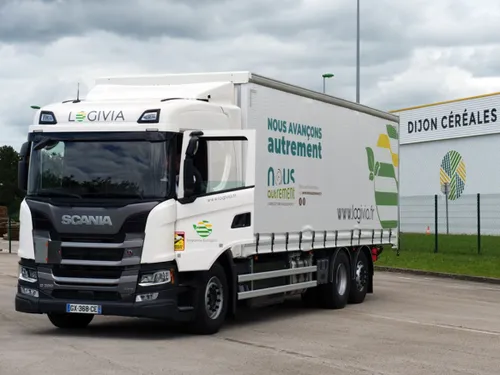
212,301
70,321
310,298
335,294
359,285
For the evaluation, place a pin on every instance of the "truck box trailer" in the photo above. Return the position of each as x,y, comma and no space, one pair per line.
186,196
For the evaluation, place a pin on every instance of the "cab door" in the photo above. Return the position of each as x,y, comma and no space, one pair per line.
215,196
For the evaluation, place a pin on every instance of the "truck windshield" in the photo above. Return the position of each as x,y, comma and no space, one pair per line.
99,169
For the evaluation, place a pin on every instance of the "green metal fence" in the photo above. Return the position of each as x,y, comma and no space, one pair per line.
468,225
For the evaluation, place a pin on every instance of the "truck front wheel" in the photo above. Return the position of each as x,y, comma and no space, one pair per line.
212,301
70,321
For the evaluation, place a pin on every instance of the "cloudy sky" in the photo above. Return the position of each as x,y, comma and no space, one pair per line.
412,52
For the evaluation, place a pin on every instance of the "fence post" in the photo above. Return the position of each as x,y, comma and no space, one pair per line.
9,232
478,223
436,223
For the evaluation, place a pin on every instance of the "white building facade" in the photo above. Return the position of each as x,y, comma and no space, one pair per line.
454,144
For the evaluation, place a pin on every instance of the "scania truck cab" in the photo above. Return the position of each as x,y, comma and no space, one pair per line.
140,202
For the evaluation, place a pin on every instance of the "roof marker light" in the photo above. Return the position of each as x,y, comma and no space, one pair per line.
47,118
150,116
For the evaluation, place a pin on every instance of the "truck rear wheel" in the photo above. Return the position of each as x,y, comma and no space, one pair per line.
310,298
335,294
360,283
212,301
70,321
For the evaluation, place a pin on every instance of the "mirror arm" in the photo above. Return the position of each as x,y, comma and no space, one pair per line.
22,167
189,185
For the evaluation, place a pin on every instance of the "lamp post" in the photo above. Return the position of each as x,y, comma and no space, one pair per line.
325,76
357,52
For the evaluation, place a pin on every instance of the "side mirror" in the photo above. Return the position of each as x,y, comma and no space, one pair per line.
192,147
189,184
188,178
22,167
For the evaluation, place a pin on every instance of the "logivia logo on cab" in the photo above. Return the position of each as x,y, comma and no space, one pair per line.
280,186
96,116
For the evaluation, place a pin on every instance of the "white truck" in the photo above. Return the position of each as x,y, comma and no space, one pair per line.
185,196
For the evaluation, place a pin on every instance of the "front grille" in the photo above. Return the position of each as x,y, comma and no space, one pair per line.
94,254
41,222
91,272
92,237
86,295
134,224
85,256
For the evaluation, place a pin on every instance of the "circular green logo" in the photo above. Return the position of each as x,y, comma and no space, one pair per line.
453,173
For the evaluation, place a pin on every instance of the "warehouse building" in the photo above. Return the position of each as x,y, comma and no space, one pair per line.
451,149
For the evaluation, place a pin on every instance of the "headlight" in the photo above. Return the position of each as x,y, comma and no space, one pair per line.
28,274
157,278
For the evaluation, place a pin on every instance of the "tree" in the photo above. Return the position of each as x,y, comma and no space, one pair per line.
10,195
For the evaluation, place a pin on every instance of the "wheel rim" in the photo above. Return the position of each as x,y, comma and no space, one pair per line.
214,298
341,277
361,276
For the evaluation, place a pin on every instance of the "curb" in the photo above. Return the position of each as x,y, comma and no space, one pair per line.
478,279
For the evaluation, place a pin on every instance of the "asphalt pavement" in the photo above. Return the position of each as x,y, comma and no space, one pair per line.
4,246
412,325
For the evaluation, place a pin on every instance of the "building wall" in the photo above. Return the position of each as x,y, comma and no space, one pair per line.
457,142
424,166
453,119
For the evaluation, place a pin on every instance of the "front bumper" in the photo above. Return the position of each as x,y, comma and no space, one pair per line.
174,301
164,307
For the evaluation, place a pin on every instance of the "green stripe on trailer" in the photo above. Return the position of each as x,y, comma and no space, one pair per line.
389,224
386,199
386,170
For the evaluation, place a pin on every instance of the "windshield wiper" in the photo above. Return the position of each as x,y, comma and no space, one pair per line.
56,193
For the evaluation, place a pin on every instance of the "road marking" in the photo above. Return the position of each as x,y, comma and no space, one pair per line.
448,283
446,326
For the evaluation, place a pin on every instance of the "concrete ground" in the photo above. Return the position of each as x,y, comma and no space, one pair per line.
4,246
411,326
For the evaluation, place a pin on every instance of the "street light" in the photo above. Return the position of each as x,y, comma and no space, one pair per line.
325,76
357,52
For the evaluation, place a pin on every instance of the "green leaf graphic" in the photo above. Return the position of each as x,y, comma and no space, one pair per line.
371,176
376,169
371,158
392,132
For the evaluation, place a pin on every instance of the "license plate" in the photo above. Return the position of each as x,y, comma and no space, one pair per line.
83,309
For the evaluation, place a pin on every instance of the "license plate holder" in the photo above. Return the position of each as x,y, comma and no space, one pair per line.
77,308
